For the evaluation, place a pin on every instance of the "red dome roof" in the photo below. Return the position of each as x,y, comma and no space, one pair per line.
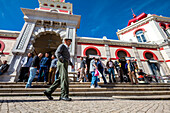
140,17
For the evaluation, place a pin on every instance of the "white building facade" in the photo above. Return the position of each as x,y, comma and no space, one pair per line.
146,39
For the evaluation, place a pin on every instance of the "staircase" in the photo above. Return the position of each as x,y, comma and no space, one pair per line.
83,89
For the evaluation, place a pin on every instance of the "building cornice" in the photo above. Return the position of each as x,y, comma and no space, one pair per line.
31,15
114,42
6,33
144,21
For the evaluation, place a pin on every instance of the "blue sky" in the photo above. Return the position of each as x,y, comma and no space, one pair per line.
99,17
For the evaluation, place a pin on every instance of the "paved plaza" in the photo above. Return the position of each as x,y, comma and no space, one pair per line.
81,105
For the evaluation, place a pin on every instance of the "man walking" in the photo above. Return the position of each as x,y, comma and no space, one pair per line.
25,65
63,56
83,67
110,65
33,69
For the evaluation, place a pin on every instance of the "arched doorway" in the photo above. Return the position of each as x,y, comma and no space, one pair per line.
121,54
153,64
90,51
47,42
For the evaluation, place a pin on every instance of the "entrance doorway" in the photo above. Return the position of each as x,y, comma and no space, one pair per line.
153,64
47,42
89,52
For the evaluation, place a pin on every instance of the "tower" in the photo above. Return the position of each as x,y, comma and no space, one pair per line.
44,29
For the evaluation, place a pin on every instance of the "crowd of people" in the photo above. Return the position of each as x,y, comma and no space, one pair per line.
53,69
45,67
127,71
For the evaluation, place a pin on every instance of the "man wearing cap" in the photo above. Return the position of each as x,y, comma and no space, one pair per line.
63,56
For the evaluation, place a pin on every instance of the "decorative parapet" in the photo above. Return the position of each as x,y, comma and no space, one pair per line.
143,21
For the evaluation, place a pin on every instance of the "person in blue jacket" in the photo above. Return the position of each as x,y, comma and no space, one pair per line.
44,67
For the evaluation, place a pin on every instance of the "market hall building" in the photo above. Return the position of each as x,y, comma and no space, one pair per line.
146,38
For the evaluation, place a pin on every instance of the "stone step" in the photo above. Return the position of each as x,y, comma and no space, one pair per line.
100,83
88,84
23,90
95,94
41,86
157,97
85,86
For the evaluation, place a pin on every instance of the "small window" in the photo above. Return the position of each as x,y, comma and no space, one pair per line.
45,4
51,5
140,36
58,6
64,7
121,54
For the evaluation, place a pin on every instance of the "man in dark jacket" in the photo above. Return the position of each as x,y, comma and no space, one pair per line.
4,67
131,69
44,66
110,65
119,70
63,56
33,69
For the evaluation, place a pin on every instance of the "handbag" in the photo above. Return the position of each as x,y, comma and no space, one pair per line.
96,73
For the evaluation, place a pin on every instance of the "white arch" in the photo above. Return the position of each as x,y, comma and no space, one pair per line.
38,31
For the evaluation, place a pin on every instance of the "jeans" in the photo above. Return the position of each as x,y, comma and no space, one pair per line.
31,77
1,73
45,70
94,79
111,72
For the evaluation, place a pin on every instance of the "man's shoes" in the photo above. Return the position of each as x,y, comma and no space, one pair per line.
48,95
65,98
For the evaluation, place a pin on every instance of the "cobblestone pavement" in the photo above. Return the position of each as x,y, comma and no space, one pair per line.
81,105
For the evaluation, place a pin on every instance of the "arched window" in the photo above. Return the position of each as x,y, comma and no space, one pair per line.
164,28
140,36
